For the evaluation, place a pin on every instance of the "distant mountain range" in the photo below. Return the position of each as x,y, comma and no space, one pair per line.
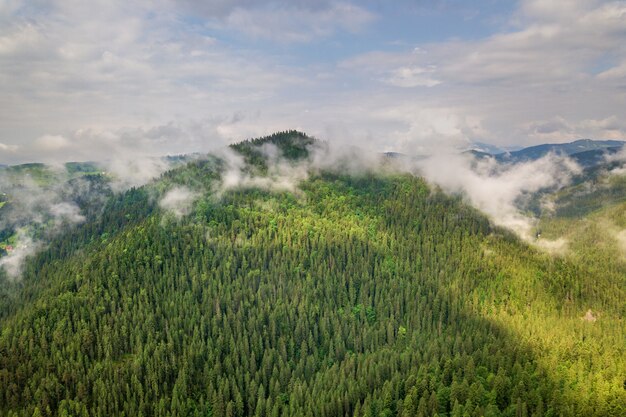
586,152
487,148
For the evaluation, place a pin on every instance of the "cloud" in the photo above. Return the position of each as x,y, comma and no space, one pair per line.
282,175
8,8
36,212
67,212
607,128
556,125
496,189
558,42
287,25
133,171
178,201
132,155
51,143
546,43
13,261
617,72
222,8
8,148
618,158
66,67
550,61
424,130
412,77
329,68
20,40
283,21
32,203
558,129
126,152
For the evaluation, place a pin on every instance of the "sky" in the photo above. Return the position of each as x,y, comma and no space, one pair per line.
92,80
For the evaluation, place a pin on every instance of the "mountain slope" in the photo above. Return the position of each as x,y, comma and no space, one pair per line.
356,295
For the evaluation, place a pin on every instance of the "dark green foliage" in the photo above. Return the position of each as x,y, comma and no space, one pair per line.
293,145
73,168
591,196
362,296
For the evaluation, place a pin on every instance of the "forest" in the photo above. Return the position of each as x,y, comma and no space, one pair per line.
357,294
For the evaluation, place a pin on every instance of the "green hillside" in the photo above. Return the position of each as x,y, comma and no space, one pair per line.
368,294
29,192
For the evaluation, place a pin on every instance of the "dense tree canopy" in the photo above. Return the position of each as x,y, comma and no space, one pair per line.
359,295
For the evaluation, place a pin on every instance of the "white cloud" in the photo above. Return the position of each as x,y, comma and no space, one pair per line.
282,21
19,39
36,209
412,77
552,61
52,143
424,130
558,129
282,175
616,72
68,67
178,201
495,189
129,144
297,24
66,212
8,148
608,128
13,261
108,66
558,42
8,8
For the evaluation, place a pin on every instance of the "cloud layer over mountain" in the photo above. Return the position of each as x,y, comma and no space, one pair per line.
80,79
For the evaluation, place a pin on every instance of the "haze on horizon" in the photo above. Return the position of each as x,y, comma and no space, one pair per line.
82,81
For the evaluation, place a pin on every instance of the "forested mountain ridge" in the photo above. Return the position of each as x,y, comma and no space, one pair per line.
361,294
586,152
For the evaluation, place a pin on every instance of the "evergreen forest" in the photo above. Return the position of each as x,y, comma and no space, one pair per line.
358,293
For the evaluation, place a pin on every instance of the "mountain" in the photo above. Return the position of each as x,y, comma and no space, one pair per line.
478,154
230,288
37,199
597,193
586,151
486,148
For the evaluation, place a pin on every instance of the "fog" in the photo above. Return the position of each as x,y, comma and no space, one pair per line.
13,261
497,189
178,201
281,175
35,210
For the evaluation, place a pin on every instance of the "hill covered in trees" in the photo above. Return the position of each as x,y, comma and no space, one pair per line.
223,289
